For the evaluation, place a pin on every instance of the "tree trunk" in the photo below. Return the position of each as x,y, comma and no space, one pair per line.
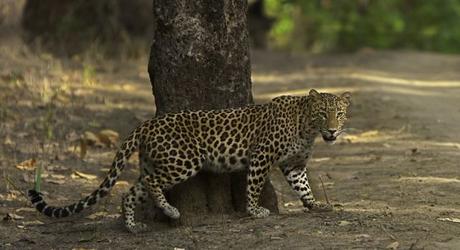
200,60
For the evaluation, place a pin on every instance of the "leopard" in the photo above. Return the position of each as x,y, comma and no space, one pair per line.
176,146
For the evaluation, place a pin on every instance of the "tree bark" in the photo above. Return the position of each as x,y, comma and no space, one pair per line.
199,59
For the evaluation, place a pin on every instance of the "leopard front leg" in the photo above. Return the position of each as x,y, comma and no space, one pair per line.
258,170
297,178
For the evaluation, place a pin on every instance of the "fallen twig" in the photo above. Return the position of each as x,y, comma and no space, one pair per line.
324,190
388,233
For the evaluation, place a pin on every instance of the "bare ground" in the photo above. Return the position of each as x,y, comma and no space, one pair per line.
394,178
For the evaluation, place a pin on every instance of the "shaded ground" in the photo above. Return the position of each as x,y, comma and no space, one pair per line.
393,178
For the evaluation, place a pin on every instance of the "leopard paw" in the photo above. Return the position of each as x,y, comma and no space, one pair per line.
137,228
319,207
258,212
171,212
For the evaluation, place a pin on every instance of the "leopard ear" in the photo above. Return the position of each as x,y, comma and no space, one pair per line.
314,93
346,96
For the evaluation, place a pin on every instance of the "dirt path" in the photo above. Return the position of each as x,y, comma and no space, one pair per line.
394,177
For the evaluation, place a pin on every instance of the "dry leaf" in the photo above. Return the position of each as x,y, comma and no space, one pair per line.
362,236
105,138
62,99
292,204
456,220
27,165
11,195
12,216
26,209
57,176
97,215
55,181
92,139
8,141
102,214
56,168
393,245
32,223
77,174
344,223
321,159
108,137
370,133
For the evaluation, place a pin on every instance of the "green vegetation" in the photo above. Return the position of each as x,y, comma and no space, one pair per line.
326,25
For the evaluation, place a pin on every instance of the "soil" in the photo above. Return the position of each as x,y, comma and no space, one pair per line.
393,178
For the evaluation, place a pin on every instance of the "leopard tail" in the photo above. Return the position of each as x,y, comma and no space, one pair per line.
121,158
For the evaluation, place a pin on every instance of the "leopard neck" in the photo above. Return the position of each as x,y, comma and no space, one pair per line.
305,126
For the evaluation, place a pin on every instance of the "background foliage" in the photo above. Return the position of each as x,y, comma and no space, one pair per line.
327,25
71,26
68,27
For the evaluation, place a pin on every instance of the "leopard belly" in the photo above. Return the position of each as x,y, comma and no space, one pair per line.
223,163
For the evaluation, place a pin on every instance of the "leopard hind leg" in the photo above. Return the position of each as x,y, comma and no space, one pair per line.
136,195
156,192
165,176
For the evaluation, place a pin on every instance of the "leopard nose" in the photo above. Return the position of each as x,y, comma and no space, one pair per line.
332,131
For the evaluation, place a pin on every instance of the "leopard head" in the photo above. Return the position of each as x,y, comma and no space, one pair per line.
328,113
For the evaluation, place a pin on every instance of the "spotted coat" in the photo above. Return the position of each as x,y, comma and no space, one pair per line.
175,147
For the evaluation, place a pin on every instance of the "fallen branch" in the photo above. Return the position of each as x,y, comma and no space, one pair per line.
324,190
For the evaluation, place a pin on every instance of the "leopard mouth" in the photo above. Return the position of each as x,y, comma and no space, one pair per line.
329,139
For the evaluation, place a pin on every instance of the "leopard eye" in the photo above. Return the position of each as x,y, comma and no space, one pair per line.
340,113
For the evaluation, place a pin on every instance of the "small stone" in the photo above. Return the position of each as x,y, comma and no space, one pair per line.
344,223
